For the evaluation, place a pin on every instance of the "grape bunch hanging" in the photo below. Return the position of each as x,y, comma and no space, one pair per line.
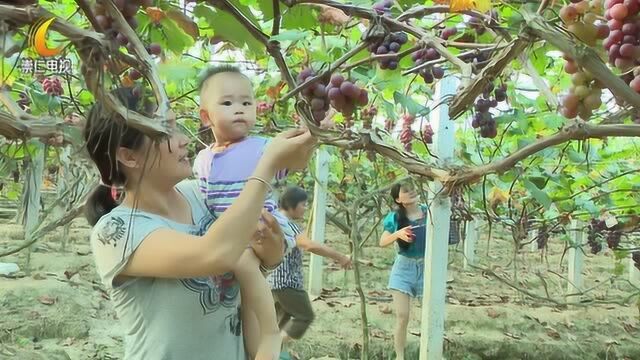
429,73
52,86
613,239
368,114
483,118
427,133
406,134
129,9
315,94
390,44
345,96
595,228
582,20
584,95
623,42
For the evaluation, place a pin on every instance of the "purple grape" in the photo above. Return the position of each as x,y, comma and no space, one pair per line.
438,72
393,65
319,91
334,93
382,50
349,90
317,104
394,46
336,80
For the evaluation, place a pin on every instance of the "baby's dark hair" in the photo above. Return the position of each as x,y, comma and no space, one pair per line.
291,197
214,70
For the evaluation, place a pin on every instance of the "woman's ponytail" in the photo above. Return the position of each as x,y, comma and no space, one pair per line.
99,203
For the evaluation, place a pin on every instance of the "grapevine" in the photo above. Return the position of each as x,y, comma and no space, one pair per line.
129,9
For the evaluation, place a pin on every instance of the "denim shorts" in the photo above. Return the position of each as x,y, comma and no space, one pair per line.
407,276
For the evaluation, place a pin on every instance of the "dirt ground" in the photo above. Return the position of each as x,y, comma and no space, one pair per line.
60,311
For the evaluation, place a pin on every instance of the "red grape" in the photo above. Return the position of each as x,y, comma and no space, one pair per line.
619,11
635,84
336,80
627,50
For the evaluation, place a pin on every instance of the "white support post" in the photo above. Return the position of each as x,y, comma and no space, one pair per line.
575,259
319,219
470,244
634,273
437,254
534,243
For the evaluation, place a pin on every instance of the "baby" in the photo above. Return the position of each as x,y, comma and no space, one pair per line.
227,106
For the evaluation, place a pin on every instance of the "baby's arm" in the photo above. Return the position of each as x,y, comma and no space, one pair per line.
263,339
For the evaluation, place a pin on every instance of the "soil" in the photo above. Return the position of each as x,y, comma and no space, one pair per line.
59,310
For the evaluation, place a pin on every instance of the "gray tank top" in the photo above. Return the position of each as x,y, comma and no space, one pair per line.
168,319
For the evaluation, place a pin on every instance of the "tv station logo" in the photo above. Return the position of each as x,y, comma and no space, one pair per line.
48,59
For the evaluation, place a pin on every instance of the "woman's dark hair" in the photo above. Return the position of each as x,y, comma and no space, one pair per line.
291,197
104,133
401,214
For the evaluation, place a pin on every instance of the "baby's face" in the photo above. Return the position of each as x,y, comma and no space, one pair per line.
228,106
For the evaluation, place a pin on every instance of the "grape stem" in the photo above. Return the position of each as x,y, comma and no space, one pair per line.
276,18
422,11
442,60
399,55
148,65
86,8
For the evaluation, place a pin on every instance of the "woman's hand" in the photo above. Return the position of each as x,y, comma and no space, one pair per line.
404,234
268,240
291,149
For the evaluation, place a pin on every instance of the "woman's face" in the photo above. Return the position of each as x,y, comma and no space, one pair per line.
165,161
407,196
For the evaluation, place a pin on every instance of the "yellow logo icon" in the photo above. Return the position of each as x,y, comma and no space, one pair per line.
38,39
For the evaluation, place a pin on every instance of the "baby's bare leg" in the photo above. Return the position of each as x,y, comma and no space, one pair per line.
263,336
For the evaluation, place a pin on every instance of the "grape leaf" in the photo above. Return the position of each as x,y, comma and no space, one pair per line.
409,104
184,22
226,26
538,194
291,35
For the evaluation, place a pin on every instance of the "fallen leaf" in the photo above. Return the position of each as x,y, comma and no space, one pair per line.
70,273
83,253
513,336
415,333
629,327
458,332
453,301
492,313
184,22
553,333
38,276
47,300
274,91
68,341
385,309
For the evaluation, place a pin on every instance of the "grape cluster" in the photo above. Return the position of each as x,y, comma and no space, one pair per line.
584,94
129,9
636,259
390,44
383,7
24,101
593,235
367,114
613,239
543,237
581,18
479,25
345,95
623,42
482,118
315,94
427,133
406,134
428,74
52,86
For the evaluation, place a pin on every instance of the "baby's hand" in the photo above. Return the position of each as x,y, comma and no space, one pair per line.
268,240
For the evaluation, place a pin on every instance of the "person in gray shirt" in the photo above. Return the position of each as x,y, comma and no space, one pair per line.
164,259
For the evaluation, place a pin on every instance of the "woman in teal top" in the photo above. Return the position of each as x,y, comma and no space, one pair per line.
406,228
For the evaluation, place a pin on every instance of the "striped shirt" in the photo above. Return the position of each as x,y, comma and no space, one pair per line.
289,275
222,176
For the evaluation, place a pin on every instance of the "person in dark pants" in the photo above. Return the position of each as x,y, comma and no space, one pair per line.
293,306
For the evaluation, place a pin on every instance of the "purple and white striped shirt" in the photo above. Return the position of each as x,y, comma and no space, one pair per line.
221,177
